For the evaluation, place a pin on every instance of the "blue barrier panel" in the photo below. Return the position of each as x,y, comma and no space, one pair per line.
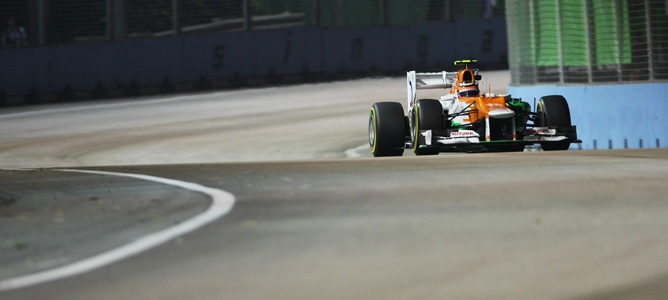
217,56
286,51
212,56
147,61
617,113
356,50
23,70
81,67
423,48
484,39
308,49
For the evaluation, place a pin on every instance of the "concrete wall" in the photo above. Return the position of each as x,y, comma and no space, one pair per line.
623,115
205,60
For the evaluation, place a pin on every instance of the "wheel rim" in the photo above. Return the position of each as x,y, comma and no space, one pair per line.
372,133
543,116
414,131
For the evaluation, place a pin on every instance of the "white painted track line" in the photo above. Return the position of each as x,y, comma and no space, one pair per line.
222,202
354,152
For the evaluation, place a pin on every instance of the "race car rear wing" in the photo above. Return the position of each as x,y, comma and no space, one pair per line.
436,80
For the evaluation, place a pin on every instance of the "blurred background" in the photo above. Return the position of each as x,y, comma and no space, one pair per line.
79,49
588,41
68,21
603,56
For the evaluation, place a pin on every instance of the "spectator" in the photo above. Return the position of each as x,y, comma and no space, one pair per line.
14,36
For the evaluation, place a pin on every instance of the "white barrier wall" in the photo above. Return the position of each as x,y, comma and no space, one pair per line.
252,54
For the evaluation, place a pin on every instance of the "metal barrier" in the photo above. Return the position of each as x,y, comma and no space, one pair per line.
587,41
77,21
201,61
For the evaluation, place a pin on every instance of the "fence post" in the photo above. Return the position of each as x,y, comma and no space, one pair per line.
618,34
116,19
338,11
534,41
247,15
110,19
383,12
176,17
41,22
446,10
560,43
588,37
650,58
316,13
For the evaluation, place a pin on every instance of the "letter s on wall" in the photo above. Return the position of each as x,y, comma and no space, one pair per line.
218,56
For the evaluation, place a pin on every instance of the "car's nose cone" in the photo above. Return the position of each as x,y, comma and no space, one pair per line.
501,113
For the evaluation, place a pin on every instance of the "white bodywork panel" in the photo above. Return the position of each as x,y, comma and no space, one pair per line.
471,137
502,113
436,80
458,137
542,131
545,138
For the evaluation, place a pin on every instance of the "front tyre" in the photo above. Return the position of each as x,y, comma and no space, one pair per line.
427,115
554,111
386,129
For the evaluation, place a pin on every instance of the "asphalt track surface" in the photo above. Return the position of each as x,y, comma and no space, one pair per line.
309,223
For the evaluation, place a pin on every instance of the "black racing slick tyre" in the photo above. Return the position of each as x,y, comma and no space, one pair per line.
387,129
554,111
427,115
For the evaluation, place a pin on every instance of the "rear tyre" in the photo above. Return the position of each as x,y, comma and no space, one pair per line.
427,115
553,111
387,129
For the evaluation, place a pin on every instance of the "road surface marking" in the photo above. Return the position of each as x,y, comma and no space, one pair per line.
354,152
221,204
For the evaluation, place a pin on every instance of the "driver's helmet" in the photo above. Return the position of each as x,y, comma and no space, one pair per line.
469,91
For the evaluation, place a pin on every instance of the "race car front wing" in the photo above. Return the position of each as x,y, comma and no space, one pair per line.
458,138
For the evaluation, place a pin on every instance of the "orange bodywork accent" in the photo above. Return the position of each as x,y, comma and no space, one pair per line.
465,79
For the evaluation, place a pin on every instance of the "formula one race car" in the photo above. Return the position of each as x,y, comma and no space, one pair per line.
466,120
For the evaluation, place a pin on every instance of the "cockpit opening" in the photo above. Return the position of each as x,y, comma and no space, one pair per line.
467,77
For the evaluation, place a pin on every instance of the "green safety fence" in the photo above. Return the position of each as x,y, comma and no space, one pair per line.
576,41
